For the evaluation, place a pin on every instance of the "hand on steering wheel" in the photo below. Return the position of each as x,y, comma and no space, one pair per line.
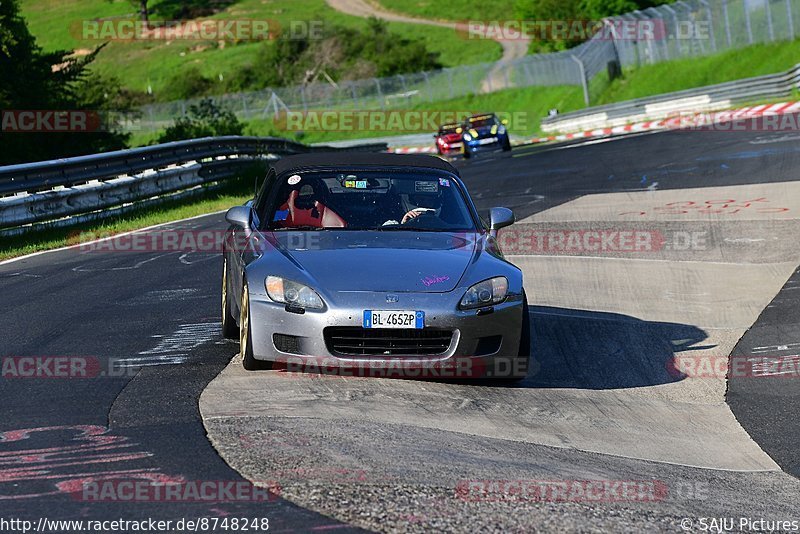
416,212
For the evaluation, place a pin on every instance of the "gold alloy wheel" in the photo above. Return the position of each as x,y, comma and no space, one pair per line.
244,322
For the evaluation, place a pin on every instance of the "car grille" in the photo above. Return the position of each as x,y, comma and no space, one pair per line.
356,341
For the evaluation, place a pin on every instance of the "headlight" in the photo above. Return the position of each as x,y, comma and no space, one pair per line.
292,293
486,293
467,137
501,130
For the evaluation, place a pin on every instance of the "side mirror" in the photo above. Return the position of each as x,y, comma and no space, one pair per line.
504,122
435,136
500,218
240,216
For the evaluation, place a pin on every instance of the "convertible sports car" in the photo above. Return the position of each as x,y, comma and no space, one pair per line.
448,139
372,259
482,132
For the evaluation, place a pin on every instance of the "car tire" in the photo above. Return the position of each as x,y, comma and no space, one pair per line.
467,154
229,328
507,145
246,336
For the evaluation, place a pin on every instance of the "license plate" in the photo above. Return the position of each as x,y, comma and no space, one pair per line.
394,319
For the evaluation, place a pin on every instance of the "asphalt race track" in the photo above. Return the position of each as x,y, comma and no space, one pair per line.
624,386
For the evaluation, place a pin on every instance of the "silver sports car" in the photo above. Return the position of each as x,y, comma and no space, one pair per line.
372,261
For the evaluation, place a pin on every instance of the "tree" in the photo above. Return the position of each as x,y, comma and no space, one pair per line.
143,12
57,81
574,10
141,5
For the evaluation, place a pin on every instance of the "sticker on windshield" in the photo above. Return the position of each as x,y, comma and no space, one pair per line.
294,179
281,215
355,184
444,182
426,187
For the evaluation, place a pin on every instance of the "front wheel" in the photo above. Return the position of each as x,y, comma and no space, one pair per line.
229,328
506,145
246,337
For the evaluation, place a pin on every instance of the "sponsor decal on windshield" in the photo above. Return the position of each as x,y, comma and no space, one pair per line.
426,187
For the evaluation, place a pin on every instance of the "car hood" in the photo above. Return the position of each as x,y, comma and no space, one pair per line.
392,261
485,131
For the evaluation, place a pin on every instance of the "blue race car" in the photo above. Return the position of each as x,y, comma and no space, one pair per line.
482,132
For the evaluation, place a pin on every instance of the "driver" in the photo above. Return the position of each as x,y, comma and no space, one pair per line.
425,204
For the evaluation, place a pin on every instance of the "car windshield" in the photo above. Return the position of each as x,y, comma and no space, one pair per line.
481,122
368,200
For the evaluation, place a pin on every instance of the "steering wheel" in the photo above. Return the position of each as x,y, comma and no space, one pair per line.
428,217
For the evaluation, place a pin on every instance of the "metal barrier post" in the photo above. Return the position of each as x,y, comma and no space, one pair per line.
584,81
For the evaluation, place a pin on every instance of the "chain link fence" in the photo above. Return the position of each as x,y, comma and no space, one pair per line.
683,29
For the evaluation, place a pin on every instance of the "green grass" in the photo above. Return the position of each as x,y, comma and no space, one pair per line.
142,66
524,107
458,10
236,192
671,76
534,102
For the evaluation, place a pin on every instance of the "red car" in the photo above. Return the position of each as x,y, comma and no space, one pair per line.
449,140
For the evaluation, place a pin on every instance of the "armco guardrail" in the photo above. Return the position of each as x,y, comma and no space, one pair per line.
709,98
52,190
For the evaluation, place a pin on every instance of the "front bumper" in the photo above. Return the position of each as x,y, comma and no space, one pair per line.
480,343
484,143
453,148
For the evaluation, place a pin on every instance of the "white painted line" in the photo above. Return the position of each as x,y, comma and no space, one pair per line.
115,236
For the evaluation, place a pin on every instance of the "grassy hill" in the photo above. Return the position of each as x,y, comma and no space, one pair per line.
453,9
646,81
149,66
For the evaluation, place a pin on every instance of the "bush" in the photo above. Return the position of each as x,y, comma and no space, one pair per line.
342,53
574,10
205,119
188,84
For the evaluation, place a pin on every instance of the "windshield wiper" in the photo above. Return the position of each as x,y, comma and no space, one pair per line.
401,228
304,228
